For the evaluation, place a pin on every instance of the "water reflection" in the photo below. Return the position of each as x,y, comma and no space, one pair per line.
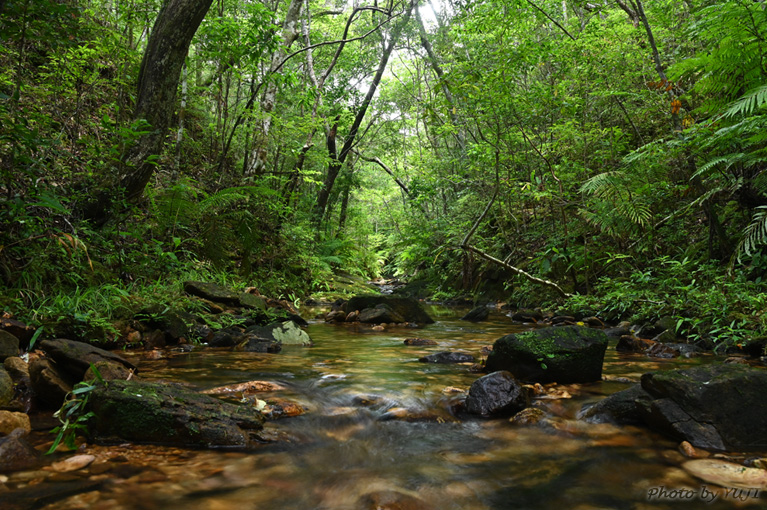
352,451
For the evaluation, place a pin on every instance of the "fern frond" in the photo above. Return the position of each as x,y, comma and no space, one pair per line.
755,233
748,103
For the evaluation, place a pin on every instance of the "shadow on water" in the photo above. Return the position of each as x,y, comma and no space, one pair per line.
378,429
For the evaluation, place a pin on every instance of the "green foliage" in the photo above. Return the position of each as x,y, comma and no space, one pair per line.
74,414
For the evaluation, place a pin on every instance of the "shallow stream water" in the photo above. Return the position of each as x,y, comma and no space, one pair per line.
346,451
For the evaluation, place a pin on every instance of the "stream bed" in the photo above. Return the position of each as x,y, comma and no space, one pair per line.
378,433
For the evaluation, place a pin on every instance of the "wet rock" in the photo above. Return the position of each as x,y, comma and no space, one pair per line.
109,371
528,416
18,329
498,393
277,408
392,500
630,343
284,333
254,343
49,384
246,387
76,357
47,494
617,331
593,322
382,313
6,387
663,351
17,368
619,408
9,345
248,300
727,474
419,341
714,407
409,309
10,421
227,337
477,314
16,453
167,413
410,415
73,463
213,292
527,316
447,357
336,316
568,354
686,350
353,316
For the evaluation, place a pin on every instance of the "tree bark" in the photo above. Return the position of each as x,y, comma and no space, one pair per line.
161,66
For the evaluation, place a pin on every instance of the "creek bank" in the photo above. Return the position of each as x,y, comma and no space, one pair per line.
718,407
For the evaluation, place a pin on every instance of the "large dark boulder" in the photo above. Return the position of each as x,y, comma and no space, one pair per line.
165,413
409,309
721,406
380,314
50,384
75,358
498,393
478,314
284,333
567,354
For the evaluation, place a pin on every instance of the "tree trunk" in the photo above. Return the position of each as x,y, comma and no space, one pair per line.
290,32
336,162
164,58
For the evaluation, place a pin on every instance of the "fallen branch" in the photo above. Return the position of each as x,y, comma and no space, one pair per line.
534,279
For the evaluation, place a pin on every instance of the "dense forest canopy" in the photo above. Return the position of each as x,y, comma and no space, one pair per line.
612,153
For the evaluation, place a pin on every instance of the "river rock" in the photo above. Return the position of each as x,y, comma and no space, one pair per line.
213,292
567,354
419,341
73,463
720,407
16,453
76,357
528,416
227,337
6,387
619,408
630,343
166,413
17,368
284,333
391,500
9,345
248,300
380,314
663,351
18,329
108,371
528,316
498,393
255,343
447,357
409,309
10,421
49,384
337,316
477,314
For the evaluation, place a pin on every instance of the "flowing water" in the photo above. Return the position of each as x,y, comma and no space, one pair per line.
347,451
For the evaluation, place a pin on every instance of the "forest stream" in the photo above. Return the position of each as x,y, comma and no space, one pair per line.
353,448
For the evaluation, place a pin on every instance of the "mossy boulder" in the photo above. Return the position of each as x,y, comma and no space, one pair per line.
213,292
9,345
568,354
6,387
409,309
284,333
163,413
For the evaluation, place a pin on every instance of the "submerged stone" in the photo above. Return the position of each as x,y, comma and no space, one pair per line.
477,314
447,357
166,413
567,354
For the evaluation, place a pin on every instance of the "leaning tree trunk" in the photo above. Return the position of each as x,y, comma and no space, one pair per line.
164,58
